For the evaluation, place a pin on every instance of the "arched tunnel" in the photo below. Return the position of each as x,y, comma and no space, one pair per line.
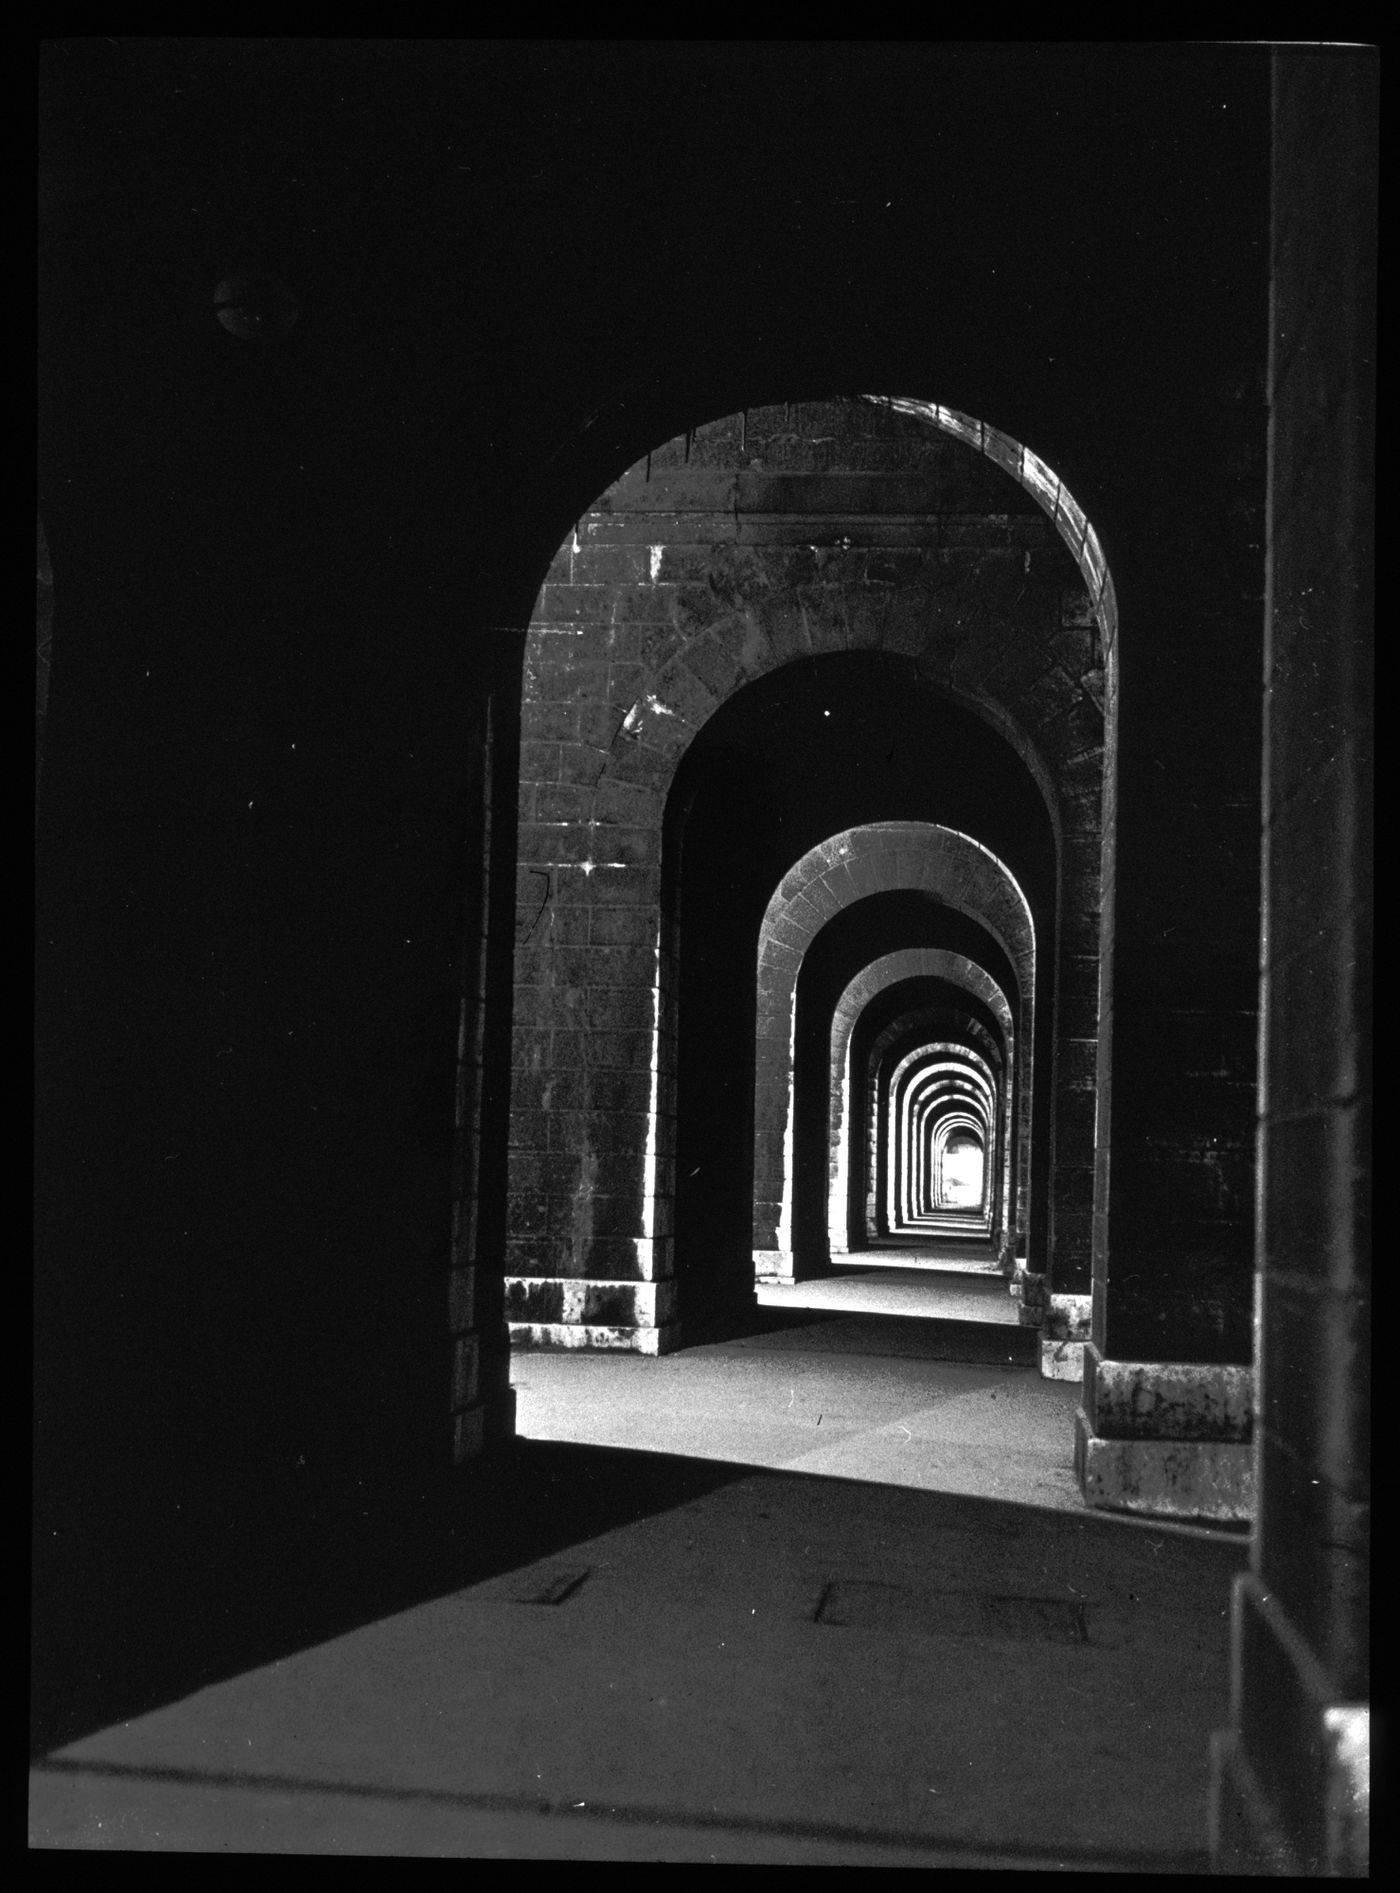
703,950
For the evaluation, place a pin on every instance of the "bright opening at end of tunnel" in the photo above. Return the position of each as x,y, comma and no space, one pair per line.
962,1177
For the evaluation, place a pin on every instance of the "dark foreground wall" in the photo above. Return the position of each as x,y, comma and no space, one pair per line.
1293,1773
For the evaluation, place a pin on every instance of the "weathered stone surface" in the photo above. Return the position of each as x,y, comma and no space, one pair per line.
566,1334
1169,1400
773,1265
1031,1291
1067,1317
1061,1360
1180,1478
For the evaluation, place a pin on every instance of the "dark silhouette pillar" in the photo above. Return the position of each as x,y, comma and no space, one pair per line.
1167,1407
1292,1771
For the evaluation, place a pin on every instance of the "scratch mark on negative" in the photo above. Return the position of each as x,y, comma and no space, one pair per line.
540,874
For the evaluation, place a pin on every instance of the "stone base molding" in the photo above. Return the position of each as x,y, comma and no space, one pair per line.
1030,1292
1063,1335
568,1334
554,1311
774,1265
1169,1439
1063,1321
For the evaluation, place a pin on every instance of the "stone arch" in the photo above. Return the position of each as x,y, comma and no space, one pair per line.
943,1080
845,868
1044,486
699,571
889,970
878,1159
934,1072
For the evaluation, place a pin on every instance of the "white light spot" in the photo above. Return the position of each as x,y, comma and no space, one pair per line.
655,552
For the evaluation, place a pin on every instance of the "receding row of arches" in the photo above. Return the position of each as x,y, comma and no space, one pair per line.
811,817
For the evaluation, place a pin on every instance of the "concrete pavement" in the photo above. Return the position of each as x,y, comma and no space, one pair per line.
840,1397
941,1661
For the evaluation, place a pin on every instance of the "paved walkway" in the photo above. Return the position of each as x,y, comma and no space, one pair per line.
844,1398
934,1291
926,1655
908,1252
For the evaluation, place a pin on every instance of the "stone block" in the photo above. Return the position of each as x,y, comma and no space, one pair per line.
544,844
461,1299
618,1009
615,1216
466,1371
617,1050
1179,1478
717,662
867,612
598,724
551,1090
1031,1291
530,1130
574,603
824,615
774,1265
548,722
610,565
601,1130
566,927
634,760
684,695
1169,1400
1061,1360
468,1434
565,1334
578,761
622,927
534,1298
782,629
539,761
527,1214
1067,1317
621,1258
